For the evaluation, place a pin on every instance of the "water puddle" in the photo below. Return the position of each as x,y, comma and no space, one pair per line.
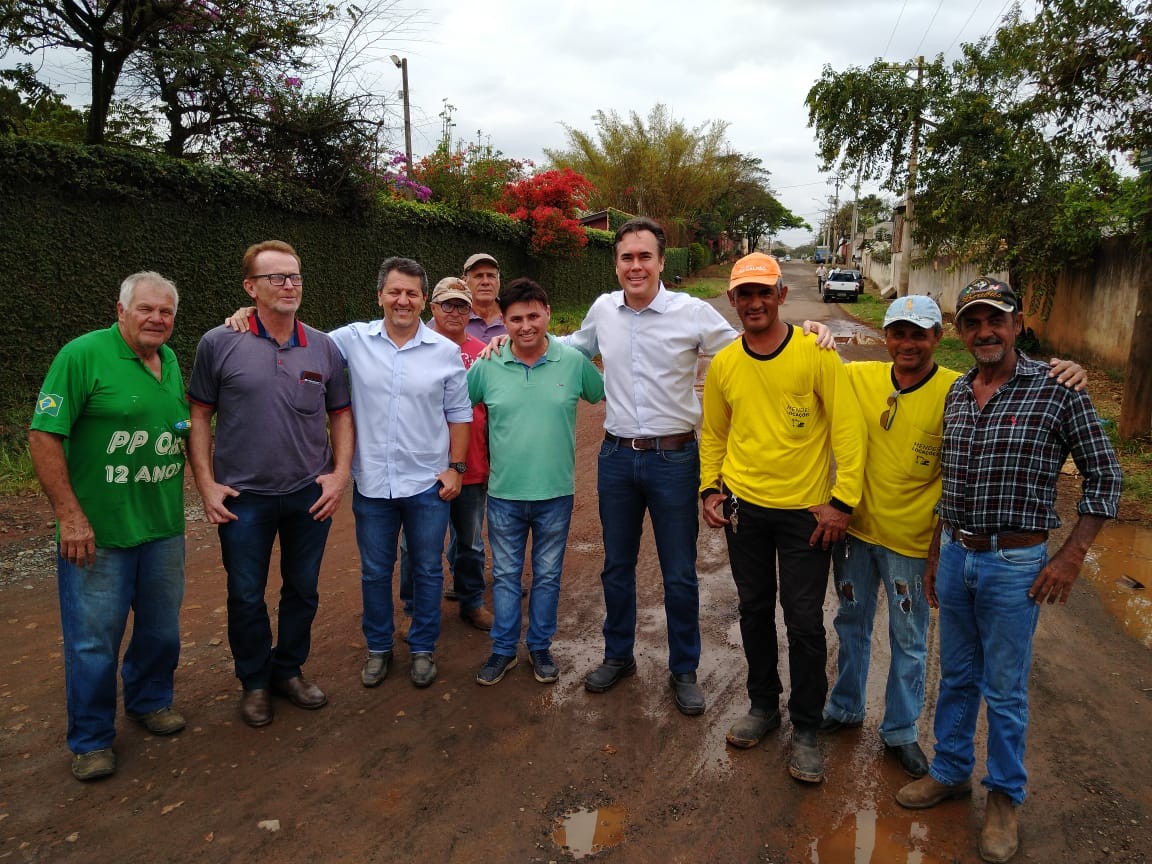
866,838
586,832
1118,564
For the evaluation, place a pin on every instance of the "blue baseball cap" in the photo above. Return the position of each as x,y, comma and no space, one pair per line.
918,309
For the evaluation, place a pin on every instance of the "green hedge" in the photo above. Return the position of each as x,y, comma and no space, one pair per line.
74,221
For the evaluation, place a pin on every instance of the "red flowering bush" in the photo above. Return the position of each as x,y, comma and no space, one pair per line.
549,202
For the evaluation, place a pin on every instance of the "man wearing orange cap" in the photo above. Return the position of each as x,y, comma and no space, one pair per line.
772,403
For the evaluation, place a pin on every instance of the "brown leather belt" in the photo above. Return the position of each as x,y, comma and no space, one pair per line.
666,442
1004,540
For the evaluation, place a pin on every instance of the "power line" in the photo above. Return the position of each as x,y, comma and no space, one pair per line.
996,20
894,26
964,26
930,23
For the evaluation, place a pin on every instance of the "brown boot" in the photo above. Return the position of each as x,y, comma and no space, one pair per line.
928,792
999,839
480,618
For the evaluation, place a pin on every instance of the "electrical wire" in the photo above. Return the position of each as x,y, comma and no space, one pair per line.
963,26
916,53
891,35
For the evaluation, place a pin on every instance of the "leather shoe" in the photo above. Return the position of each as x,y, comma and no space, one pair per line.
300,692
256,707
480,618
831,724
375,668
605,676
928,792
687,693
999,838
747,731
163,721
423,669
806,762
911,757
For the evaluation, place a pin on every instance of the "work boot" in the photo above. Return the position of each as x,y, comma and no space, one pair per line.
480,618
748,730
928,792
806,763
999,839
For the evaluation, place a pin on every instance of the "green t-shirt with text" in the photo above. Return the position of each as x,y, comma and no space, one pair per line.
124,434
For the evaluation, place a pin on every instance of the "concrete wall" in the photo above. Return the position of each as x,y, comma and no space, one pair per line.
1088,317
1093,309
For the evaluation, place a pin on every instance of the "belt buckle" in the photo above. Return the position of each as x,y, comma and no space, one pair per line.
636,441
965,537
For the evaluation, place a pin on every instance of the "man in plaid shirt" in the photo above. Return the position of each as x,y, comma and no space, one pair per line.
1008,428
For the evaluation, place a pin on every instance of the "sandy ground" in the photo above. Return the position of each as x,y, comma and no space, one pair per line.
511,773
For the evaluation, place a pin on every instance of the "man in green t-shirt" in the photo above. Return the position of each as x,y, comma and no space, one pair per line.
531,389
107,445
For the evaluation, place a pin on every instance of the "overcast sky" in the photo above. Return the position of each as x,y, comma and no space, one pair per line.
518,70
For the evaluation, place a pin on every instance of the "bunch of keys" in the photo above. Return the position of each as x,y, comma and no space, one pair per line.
734,516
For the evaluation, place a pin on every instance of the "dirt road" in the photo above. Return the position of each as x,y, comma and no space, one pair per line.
461,773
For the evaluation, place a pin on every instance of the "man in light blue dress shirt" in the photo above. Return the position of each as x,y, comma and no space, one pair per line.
410,385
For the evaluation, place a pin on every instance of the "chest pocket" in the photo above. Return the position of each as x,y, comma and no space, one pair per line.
923,459
798,413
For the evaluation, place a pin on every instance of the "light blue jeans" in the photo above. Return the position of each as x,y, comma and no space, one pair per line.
987,622
147,580
859,568
509,524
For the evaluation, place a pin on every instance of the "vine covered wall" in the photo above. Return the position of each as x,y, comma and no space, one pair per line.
75,221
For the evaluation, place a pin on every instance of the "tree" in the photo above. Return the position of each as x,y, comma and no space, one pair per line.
1022,140
658,167
32,109
212,65
549,202
473,176
109,32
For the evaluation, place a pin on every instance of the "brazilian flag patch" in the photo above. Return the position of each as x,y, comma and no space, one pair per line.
49,403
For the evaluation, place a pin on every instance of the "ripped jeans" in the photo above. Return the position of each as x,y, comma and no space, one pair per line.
858,569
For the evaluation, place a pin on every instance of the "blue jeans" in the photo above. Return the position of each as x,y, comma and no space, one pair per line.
246,548
424,517
509,524
465,550
94,604
987,622
663,482
859,569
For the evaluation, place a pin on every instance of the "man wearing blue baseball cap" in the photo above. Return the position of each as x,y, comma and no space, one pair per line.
891,528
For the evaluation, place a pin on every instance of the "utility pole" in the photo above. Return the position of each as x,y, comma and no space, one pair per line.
905,273
855,214
835,248
402,65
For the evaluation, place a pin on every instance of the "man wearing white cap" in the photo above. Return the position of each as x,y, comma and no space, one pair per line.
903,407
482,276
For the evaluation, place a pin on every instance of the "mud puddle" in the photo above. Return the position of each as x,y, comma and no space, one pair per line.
1119,565
585,832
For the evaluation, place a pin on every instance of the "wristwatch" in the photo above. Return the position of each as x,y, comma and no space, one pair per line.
459,467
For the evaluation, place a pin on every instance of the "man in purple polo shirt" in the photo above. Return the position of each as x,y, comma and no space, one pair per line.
275,389
482,276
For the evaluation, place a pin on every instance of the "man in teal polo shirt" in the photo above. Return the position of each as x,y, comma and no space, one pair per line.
106,442
531,389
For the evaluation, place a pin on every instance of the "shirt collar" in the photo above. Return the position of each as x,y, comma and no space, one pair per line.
659,303
298,339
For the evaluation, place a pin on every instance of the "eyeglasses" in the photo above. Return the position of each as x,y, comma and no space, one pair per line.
890,413
277,280
454,306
